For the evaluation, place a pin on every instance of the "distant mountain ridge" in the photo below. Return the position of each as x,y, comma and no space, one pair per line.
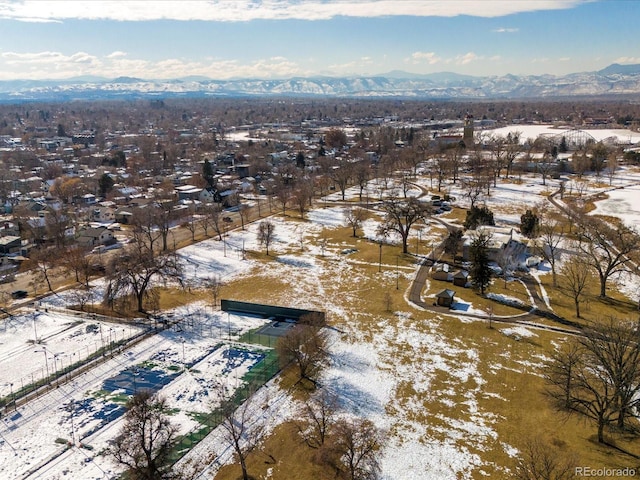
614,80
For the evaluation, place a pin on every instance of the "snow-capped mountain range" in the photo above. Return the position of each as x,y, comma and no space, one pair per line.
615,80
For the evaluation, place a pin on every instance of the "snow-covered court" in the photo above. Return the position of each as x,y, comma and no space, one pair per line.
190,364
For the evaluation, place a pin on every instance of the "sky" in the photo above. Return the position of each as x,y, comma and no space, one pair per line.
223,39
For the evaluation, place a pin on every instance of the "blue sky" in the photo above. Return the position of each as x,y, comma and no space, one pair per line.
283,38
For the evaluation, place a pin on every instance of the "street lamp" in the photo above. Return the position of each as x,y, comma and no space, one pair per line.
46,360
35,331
55,366
72,405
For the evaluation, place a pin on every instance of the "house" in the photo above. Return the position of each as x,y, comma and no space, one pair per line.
500,240
210,195
445,298
104,214
440,271
10,244
91,237
123,216
460,278
188,192
88,199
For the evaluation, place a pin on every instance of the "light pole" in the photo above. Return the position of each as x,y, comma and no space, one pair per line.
135,376
72,408
55,367
35,331
46,360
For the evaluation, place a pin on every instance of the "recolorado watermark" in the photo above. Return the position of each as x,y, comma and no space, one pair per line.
591,472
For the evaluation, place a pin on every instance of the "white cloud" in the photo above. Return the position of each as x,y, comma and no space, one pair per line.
56,65
505,30
467,58
431,58
627,60
246,10
419,58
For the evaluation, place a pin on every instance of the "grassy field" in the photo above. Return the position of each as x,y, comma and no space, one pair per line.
507,390
459,382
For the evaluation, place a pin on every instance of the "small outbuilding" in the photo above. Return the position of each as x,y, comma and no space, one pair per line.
460,278
440,271
445,298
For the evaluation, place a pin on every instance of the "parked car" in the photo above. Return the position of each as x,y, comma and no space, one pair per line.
18,294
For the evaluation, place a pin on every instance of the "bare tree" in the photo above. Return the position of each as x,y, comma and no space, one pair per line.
545,164
511,150
214,286
356,444
319,416
362,174
606,249
576,276
133,271
400,216
353,217
243,432
615,347
266,233
597,374
540,461
341,174
306,347
560,372
243,213
44,260
551,233
302,196
212,217
191,223
57,224
143,226
283,195
612,166
473,188
76,260
146,438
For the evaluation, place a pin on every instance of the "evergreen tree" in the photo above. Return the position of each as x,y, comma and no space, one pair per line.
207,172
477,216
480,271
105,184
563,145
529,223
300,161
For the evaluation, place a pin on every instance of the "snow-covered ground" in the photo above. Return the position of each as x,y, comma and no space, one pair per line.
534,131
370,373
623,203
87,410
